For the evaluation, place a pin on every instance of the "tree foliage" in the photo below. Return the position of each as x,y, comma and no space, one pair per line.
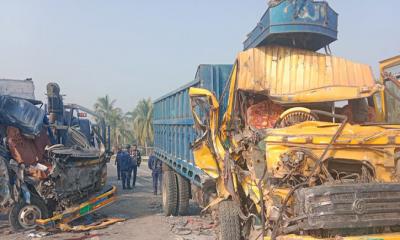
132,127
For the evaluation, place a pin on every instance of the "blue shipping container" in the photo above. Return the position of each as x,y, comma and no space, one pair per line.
173,121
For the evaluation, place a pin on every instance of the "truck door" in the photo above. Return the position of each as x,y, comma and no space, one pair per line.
207,149
391,95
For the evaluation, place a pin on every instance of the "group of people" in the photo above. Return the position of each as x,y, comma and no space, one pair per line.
128,160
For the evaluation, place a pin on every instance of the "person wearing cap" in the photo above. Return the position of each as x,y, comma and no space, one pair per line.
125,162
136,160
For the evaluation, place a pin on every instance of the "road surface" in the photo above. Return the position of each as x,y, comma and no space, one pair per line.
143,213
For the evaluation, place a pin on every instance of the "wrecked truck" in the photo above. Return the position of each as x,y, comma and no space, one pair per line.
307,147
51,158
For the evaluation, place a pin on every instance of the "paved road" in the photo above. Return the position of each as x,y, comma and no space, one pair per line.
143,213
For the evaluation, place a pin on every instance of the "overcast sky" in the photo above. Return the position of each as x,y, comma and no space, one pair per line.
138,49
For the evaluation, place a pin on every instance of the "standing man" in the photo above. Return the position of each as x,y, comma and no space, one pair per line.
136,160
125,162
118,152
155,166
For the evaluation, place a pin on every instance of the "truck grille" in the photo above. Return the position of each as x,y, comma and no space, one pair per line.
348,206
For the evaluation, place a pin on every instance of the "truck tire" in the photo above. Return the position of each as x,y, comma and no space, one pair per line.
183,195
23,216
229,222
170,193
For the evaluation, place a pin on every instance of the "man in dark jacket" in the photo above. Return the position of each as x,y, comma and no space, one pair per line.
136,160
125,162
156,172
117,163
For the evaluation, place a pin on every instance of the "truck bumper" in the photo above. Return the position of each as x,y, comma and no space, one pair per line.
105,197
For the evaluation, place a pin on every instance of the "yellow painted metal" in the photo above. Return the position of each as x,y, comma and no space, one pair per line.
288,75
390,62
211,152
291,75
205,160
384,65
73,213
376,144
225,126
317,133
201,92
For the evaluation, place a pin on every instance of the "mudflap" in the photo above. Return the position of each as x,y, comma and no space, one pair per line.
104,198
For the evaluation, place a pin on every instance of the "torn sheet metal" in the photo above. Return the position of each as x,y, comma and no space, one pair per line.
27,150
107,197
290,75
5,190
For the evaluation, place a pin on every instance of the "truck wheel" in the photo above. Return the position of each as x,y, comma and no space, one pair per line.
229,222
183,195
170,193
23,216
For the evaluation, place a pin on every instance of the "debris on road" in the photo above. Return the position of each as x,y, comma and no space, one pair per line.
38,234
103,223
192,227
87,236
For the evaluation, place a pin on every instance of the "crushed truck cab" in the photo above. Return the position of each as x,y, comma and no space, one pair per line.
304,148
51,160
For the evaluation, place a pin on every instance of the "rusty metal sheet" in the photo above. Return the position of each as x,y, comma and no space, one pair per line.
26,150
290,75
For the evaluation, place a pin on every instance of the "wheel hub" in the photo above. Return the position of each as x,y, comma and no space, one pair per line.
28,215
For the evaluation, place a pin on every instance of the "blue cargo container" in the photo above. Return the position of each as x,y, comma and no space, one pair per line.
303,24
173,122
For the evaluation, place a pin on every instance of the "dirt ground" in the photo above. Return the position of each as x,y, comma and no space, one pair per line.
143,213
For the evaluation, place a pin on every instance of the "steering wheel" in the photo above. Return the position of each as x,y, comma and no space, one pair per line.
294,116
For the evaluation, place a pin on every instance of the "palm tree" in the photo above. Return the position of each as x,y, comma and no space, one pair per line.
132,126
141,119
104,106
112,116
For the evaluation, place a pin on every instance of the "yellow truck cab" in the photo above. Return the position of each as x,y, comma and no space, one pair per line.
307,148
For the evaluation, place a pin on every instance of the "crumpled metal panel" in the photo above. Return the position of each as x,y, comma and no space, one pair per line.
77,171
305,24
290,75
26,150
5,192
21,114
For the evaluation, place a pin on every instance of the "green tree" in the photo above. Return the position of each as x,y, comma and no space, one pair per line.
141,122
135,126
113,117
